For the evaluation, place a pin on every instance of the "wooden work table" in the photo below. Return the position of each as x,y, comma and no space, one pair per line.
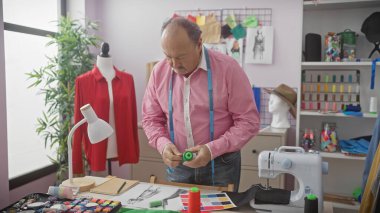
327,205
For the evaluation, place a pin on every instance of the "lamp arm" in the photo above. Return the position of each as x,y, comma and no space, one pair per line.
69,149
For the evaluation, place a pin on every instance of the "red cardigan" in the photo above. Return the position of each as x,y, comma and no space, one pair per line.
91,88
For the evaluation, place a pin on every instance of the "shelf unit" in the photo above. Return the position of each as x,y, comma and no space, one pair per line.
335,114
339,155
336,16
339,4
311,65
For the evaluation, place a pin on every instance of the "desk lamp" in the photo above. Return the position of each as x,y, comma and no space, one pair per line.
97,130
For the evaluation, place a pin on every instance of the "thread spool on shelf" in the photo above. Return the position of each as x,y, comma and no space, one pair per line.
373,105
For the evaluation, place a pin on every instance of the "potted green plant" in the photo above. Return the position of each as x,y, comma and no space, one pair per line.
56,81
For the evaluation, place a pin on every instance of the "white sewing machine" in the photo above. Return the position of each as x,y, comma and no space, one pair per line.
306,167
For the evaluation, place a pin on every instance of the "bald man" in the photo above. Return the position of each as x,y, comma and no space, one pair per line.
201,101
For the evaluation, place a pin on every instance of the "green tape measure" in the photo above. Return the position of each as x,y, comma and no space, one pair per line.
187,156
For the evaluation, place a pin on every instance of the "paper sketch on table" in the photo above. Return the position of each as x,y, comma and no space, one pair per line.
146,194
217,47
143,193
259,48
235,49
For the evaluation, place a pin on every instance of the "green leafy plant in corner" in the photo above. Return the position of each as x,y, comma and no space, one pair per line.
56,82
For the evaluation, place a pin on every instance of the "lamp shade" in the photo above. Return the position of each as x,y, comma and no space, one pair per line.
97,129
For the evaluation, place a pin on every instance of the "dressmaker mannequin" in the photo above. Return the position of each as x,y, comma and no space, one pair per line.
279,110
105,66
104,63
111,92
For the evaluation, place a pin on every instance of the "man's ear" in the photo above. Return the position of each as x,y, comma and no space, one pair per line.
200,42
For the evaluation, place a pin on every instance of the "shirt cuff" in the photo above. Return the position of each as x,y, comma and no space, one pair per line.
215,149
162,143
210,151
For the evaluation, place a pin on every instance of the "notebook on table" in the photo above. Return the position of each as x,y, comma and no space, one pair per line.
114,186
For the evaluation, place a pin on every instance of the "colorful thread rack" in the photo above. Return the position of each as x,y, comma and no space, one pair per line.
329,90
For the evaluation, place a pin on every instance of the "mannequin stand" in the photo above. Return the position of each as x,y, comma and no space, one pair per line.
109,167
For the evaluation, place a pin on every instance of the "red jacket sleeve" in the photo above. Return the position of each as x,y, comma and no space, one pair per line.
134,121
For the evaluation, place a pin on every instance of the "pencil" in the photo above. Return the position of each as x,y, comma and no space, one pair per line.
121,187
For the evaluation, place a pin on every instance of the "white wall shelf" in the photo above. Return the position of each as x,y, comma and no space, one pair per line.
338,114
343,65
339,155
339,4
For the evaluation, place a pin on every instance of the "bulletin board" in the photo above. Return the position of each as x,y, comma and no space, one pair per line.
245,34
264,15
216,12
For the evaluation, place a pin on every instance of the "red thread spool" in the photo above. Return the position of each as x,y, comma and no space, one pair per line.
194,205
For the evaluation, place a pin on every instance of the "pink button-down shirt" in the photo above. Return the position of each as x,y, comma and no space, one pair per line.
236,119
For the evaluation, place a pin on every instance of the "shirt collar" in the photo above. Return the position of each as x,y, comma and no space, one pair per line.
202,64
98,75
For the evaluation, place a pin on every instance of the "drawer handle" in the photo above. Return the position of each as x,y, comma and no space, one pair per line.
254,151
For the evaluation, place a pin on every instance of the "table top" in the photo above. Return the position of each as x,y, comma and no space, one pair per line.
100,180
328,208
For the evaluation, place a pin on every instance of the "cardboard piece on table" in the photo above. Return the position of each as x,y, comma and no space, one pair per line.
114,186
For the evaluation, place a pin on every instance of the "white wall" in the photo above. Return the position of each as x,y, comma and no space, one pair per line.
4,184
132,28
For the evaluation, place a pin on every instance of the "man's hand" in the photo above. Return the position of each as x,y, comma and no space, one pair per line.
202,158
171,156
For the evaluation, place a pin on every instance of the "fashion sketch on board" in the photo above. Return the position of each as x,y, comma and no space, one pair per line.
217,47
142,194
235,49
259,49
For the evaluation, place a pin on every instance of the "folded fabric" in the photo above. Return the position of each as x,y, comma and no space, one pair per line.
261,196
351,113
354,146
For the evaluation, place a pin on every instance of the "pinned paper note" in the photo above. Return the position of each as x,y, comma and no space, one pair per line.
217,47
231,21
239,32
201,20
211,18
235,49
192,18
226,31
250,22
211,30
